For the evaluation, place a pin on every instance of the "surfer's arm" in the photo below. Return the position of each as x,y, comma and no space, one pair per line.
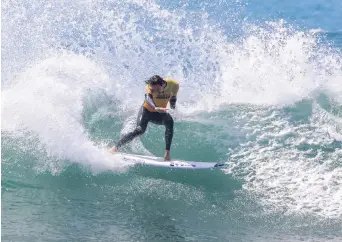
173,99
149,100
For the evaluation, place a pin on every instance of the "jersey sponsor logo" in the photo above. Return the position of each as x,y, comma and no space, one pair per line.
163,96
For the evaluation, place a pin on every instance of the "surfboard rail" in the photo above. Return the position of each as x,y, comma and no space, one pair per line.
160,162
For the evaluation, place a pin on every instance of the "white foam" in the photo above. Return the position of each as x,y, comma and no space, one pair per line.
287,176
46,100
272,65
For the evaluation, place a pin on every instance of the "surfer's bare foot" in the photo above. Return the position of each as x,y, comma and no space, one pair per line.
167,155
113,149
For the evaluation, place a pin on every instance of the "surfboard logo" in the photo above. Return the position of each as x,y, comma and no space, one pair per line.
183,164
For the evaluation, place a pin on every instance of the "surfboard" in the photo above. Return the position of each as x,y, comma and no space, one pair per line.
159,162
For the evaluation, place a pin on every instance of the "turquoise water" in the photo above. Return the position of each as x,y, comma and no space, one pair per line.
260,91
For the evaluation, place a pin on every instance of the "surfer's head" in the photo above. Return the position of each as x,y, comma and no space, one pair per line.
156,83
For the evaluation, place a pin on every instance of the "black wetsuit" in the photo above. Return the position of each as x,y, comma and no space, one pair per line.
146,116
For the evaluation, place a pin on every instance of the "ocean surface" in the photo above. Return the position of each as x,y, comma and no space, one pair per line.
260,90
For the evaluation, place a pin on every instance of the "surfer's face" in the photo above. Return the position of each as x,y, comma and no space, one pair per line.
157,88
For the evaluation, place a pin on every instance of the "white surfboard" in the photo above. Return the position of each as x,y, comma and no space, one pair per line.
158,161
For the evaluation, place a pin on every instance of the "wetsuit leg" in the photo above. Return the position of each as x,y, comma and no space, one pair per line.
166,120
168,123
142,121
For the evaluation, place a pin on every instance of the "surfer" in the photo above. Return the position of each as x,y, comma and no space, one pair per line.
158,93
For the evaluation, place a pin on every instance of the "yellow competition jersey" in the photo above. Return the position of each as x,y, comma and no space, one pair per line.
161,99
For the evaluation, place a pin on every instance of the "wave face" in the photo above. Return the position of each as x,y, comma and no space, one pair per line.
263,96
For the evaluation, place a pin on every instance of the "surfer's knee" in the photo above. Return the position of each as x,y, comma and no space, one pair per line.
140,130
169,121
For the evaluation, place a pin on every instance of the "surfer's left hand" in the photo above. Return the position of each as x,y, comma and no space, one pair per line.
161,110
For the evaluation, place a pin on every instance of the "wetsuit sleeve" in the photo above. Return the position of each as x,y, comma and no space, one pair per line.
173,99
149,100
149,97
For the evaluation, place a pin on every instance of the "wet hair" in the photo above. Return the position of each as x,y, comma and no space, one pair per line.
155,80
